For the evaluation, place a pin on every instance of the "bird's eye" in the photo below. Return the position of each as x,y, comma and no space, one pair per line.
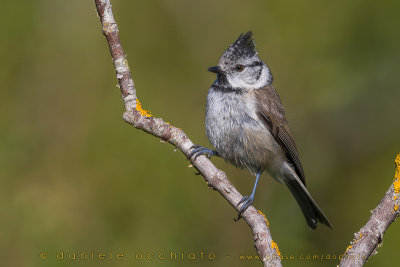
239,68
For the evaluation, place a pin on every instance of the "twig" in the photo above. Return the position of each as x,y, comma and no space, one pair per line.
141,119
370,236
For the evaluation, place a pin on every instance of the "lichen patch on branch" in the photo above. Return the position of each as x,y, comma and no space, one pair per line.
274,245
143,112
396,185
109,27
357,237
265,218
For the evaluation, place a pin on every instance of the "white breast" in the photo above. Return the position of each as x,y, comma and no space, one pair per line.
237,133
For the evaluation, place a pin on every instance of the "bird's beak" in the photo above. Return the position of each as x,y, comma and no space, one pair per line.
215,69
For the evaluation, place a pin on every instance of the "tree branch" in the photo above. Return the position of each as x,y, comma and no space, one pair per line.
370,236
141,119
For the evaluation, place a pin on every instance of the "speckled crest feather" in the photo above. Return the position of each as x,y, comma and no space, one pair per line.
243,47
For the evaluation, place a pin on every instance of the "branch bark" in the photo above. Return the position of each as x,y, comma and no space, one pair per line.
369,238
139,118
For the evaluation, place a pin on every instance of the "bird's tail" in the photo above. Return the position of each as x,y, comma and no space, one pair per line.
311,211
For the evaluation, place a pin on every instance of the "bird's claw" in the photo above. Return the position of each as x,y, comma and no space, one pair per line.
247,201
201,150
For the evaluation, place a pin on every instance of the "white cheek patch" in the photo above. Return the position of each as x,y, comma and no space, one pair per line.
237,81
264,78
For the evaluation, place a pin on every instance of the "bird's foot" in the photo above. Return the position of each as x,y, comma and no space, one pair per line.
201,150
247,201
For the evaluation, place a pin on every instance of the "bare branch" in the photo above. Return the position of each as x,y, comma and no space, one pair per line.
370,236
139,118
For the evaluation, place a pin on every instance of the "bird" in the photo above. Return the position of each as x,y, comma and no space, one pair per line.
245,122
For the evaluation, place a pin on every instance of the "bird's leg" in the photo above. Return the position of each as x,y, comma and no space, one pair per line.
248,200
201,150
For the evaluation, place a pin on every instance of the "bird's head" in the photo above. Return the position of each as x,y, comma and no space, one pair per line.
240,67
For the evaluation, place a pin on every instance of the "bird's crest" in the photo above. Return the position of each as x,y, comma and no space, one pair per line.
243,47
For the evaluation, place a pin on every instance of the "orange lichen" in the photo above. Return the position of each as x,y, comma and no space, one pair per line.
265,218
396,182
106,28
396,185
275,247
396,207
357,237
139,108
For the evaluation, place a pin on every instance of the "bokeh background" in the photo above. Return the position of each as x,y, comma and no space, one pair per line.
75,178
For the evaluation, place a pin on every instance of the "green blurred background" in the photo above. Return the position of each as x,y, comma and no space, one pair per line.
75,178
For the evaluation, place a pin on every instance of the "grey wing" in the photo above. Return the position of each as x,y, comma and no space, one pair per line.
290,147
271,112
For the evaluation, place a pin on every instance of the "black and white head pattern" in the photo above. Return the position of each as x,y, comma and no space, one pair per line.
241,68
